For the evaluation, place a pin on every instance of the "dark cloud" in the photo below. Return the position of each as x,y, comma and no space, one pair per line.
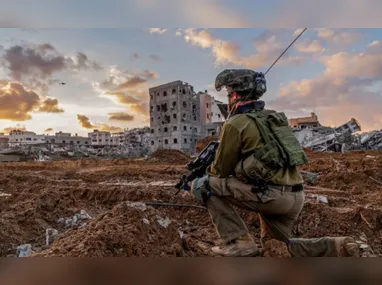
35,65
81,62
123,80
121,117
39,61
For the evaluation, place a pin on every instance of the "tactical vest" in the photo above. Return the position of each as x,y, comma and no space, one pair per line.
281,148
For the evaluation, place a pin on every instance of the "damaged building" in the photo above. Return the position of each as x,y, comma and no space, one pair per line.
4,141
321,138
305,122
179,116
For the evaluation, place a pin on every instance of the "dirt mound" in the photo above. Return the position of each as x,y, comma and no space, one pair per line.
169,156
34,196
129,229
353,172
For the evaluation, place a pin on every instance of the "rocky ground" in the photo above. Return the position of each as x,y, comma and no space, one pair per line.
94,207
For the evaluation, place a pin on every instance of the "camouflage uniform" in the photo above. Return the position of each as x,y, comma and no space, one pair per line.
278,207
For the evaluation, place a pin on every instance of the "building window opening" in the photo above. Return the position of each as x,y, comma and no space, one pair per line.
175,140
184,104
185,128
165,130
173,91
184,91
175,128
158,108
152,131
165,93
185,140
173,104
174,116
165,141
152,142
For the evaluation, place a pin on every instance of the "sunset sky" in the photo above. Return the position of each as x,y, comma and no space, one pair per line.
334,72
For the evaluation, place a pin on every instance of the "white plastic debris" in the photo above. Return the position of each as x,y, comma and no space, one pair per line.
363,246
137,205
146,221
320,198
24,250
50,235
163,222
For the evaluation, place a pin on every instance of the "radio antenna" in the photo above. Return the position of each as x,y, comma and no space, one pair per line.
285,50
303,31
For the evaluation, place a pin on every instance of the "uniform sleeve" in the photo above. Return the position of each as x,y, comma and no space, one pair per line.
228,152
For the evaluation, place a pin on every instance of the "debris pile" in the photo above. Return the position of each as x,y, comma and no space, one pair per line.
372,140
326,139
129,229
169,156
42,207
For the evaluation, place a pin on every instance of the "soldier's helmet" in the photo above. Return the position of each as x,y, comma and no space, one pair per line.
242,80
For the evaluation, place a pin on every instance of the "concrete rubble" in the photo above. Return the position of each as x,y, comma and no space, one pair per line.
136,143
77,219
341,139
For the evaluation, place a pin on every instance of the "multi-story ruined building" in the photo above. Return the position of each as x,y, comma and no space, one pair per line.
174,117
179,116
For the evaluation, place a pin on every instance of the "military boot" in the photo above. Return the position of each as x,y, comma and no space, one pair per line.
241,247
346,247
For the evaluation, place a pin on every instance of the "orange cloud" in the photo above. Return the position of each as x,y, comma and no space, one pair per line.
268,44
121,116
18,127
50,105
86,124
17,103
346,89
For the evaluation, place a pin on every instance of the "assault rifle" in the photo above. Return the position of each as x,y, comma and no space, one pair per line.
198,167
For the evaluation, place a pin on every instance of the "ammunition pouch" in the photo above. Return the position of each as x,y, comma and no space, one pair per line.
251,170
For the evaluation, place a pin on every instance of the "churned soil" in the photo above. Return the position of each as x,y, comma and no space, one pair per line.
36,196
